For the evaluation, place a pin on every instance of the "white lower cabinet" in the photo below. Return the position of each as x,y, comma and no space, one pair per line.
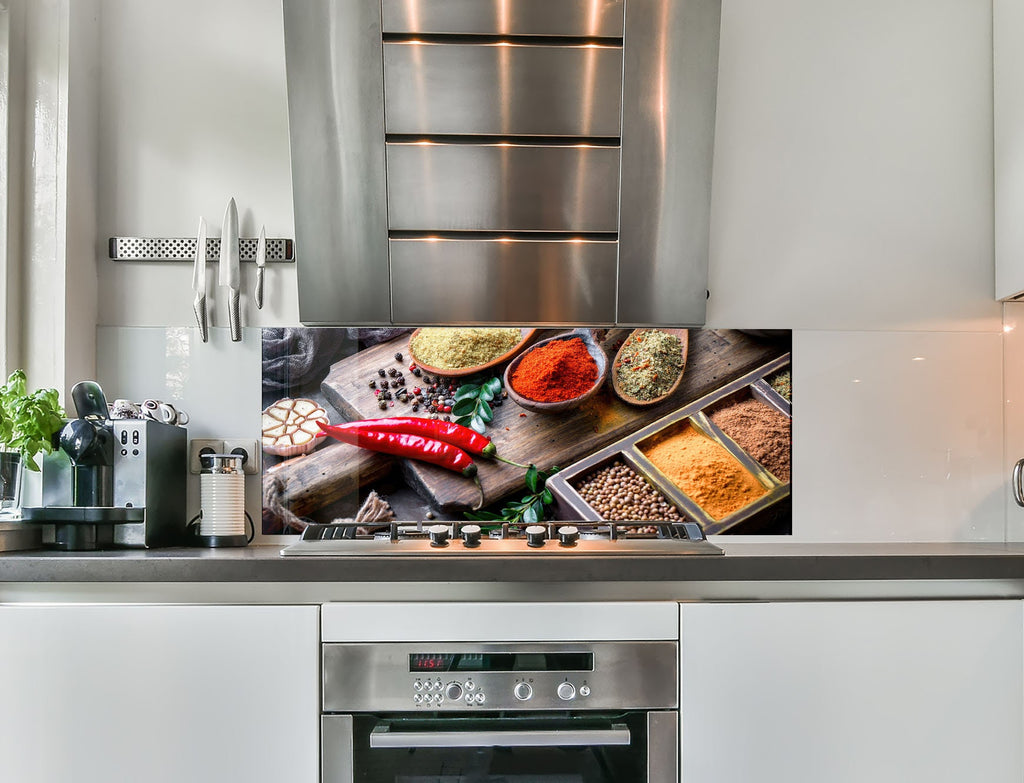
857,692
159,694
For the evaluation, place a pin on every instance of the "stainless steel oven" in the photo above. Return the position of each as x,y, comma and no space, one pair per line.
517,712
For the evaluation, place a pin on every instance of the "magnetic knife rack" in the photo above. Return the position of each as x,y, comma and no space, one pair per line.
279,251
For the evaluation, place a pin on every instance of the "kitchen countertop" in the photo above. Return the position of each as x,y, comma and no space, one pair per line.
748,571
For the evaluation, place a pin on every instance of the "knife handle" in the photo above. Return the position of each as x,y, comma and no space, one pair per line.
199,306
234,317
258,294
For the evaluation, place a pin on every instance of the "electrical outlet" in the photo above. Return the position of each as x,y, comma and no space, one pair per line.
249,448
198,446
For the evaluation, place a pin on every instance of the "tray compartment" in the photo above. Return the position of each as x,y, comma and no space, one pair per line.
627,449
565,485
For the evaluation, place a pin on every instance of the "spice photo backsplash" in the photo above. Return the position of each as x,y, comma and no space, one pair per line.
510,425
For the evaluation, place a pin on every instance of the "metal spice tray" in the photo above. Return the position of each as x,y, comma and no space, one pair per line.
571,506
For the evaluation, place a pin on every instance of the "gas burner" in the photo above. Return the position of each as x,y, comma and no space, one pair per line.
566,538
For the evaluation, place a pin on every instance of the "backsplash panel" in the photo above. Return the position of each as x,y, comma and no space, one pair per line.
715,451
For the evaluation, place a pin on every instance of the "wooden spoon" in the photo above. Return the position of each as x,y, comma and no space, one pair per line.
684,339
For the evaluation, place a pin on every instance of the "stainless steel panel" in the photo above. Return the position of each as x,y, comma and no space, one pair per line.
670,68
336,124
596,18
336,749
627,675
502,187
511,281
663,747
502,89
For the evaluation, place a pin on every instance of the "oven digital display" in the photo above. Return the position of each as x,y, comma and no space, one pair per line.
502,662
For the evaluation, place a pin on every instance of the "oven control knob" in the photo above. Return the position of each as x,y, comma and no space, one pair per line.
438,535
453,691
584,690
471,535
535,535
568,535
566,691
522,691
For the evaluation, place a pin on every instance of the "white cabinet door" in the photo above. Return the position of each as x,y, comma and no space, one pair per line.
161,694
880,692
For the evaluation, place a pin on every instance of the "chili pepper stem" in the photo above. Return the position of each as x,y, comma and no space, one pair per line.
479,486
510,462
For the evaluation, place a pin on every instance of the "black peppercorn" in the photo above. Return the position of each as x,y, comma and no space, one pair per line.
398,357
373,384
382,405
381,373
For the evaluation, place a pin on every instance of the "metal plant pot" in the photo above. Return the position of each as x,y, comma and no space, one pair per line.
11,469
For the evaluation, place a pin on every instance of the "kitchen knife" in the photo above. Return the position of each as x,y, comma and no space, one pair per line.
229,275
261,262
199,281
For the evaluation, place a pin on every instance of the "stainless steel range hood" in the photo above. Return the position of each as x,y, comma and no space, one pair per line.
538,162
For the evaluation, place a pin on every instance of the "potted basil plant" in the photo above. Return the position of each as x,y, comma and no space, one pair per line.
28,423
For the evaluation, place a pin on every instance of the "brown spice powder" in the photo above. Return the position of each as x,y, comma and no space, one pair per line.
761,431
705,471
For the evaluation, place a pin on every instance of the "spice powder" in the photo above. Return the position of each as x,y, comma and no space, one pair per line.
456,348
761,431
556,371
705,471
649,364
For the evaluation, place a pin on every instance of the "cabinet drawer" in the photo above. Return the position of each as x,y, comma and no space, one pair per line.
504,17
502,187
502,89
503,281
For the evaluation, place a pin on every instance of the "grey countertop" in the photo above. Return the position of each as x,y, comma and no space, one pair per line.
742,563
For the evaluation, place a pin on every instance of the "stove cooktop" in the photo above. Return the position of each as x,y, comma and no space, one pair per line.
460,539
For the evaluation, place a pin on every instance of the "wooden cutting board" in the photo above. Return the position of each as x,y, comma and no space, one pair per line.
715,358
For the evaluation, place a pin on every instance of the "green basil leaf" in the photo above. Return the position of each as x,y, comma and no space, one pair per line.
530,516
466,391
531,478
538,509
486,395
483,516
493,386
463,420
547,497
463,407
478,424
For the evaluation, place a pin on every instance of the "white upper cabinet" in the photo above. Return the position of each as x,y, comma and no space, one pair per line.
1008,110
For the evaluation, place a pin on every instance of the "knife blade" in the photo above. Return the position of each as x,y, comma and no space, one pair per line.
261,262
199,281
229,272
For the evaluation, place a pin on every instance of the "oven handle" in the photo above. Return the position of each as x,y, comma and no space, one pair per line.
383,737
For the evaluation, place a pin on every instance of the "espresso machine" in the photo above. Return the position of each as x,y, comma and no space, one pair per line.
112,482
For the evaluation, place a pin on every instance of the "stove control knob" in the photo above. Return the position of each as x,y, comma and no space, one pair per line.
438,535
522,691
568,535
471,535
535,535
566,691
453,692
584,690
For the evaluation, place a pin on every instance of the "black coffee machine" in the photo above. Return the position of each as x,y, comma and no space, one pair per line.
114,482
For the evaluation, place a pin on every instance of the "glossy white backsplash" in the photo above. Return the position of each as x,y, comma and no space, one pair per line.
216,383
1013,407
897,436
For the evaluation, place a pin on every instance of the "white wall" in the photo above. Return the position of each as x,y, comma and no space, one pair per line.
852,203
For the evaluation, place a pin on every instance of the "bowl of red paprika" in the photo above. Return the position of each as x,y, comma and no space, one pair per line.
557,374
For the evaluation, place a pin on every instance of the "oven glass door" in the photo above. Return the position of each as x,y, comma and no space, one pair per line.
591,748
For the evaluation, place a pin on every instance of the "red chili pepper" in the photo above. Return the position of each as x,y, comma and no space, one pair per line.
401,444
448,431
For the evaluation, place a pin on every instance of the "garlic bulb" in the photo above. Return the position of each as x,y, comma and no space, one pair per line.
290,426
